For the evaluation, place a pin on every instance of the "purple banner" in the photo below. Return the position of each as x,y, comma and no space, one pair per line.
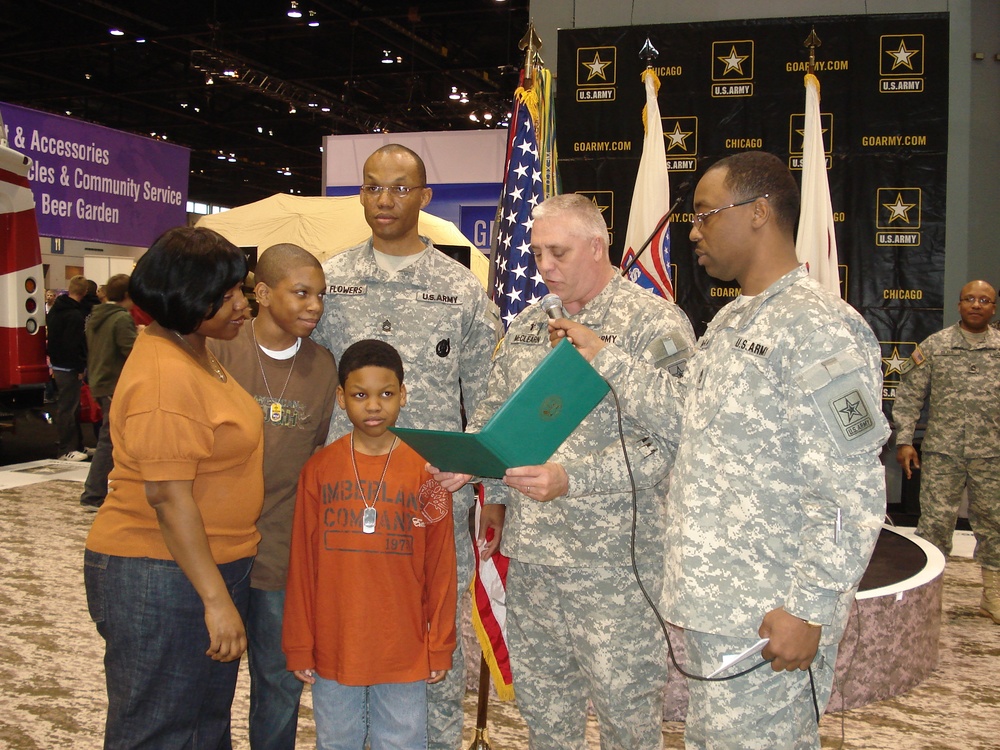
98,184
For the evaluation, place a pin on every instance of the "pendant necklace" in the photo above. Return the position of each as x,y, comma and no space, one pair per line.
369,515
274,410
216,368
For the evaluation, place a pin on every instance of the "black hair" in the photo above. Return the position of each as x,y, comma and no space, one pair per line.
184,276
369,353
755,173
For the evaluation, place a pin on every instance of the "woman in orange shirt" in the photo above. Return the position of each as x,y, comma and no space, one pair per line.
168,558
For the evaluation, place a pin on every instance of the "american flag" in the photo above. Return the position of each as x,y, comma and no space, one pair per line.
517,281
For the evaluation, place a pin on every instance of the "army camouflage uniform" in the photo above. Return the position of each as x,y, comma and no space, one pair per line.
962,443
437,315
578,626
777,495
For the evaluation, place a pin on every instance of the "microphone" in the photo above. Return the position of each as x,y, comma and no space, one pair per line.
553,307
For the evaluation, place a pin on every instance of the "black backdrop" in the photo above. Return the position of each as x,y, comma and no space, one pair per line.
737,86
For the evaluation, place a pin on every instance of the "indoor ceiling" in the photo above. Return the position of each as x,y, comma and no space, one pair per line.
252,91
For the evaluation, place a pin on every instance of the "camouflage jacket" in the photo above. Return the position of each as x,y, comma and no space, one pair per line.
777,494
437,316
591,524
963,383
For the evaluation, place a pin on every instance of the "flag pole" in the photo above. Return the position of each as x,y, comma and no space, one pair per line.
649,53
530,43
812,42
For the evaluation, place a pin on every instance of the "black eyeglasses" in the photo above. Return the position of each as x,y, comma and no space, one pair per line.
396,191
700,218
984,301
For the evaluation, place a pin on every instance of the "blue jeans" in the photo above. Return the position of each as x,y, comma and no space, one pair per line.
95,489
392,716
163,691
274,691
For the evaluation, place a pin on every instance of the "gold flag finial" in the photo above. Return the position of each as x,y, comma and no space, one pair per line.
530,43
812,42
648,53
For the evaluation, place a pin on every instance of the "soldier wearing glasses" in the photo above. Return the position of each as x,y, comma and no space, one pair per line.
959,370
398,288
777,494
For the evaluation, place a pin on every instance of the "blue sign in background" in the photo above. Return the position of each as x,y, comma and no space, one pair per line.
477,225
97,184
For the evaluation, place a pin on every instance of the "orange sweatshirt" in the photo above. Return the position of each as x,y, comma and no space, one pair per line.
368,609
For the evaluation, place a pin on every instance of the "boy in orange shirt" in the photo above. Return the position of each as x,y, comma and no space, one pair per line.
370,599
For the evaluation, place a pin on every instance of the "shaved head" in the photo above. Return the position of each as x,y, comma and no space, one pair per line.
277,261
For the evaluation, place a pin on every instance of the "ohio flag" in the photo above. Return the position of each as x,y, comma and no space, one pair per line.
650,203
816,243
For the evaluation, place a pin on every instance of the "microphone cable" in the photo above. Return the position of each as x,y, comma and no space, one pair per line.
645,594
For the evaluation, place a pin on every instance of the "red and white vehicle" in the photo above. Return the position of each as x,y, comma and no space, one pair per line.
22,292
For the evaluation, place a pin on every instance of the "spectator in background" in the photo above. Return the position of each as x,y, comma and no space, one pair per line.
958,370
91,299
110,335
50,384
67,344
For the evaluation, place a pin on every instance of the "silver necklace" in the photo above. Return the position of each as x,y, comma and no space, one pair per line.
370,514
274,410
212,361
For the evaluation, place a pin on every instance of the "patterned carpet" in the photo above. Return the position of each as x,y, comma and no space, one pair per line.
52,683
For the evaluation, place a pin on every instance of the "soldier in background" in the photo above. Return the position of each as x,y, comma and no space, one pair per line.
578,627
959,370
398,288
110,335
777,495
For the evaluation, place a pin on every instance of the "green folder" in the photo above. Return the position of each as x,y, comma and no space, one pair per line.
539,415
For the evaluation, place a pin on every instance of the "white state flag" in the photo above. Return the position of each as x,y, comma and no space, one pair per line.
650,202
816,244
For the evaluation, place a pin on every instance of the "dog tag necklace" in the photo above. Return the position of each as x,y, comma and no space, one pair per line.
274,410
369,516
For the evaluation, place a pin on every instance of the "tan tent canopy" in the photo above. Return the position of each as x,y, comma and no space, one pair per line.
323,226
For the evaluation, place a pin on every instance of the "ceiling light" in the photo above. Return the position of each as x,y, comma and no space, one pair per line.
232,158
487,116
116,32
324,109
387,57
291,109
474,117
314,24
140,40
293,11
209,80
464,98
454,93
312,19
